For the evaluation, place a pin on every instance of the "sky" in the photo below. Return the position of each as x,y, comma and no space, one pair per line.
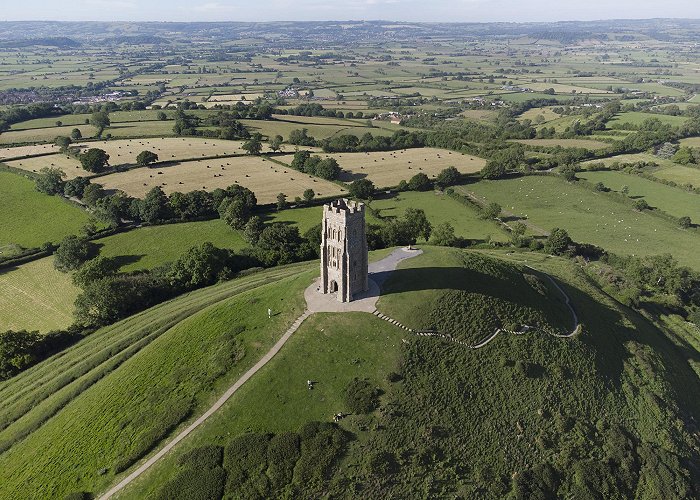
316,10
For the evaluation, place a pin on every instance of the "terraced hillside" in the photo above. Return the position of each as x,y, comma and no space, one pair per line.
73,421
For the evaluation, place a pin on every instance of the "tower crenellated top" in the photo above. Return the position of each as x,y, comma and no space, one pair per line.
344,205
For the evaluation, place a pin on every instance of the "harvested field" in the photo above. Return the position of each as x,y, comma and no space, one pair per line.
388,168
265,178
167,148
70,166
27,150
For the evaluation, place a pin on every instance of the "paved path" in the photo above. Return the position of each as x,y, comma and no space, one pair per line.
316,302
219,403
367,302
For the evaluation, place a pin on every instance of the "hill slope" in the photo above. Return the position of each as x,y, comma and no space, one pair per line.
71,422
605,413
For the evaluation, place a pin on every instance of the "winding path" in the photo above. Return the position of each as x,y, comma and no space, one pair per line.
203,418
315,303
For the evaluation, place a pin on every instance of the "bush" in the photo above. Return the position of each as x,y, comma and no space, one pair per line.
204,457
195,484
361,396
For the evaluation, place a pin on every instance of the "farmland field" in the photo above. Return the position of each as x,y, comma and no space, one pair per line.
388,168
69,165
441,208
589,217
36,297
126,129
27,150
265,178
167,148
30,218
666,169
636,118
672,200
148,247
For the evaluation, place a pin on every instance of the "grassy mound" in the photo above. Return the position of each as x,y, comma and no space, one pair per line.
606,413
469,296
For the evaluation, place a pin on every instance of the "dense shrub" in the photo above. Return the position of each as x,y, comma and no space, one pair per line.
361,396
203,457
195,484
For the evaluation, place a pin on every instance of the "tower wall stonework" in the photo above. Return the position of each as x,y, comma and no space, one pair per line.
344,260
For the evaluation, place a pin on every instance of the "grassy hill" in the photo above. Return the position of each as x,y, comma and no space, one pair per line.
606,413
74,420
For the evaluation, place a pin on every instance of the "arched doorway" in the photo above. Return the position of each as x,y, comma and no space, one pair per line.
333,287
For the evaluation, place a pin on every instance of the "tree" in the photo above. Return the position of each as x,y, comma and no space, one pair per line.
72,252
684,222
17,351
94,160
95,269
418,223
276,143
419,182
281,201
76,134
362,189
146,158
327,168
684,156
492,210
493,170
100,120
92,193
299,160
253,228
278,244
234,212
309,195
154,207
200,266
443,235
253,146
568,172
50,181
641,204
76,187
558,242
63,142
162,116
448,177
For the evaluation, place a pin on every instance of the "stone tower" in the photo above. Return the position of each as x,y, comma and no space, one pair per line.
344,249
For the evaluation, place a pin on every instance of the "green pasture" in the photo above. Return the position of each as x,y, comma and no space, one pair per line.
151,246
589,217
30,218
637,118
440,208
36,297
671,200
